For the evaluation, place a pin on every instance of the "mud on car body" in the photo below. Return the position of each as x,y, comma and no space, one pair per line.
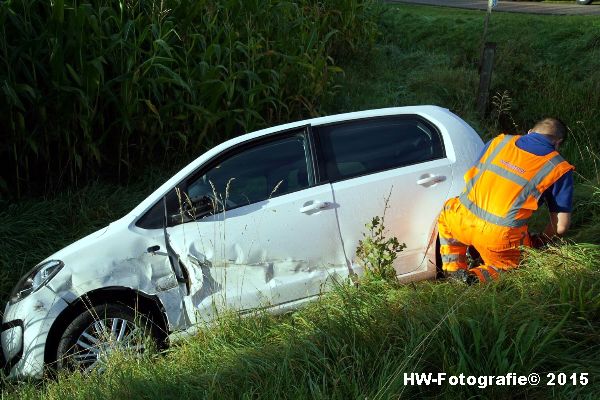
268,219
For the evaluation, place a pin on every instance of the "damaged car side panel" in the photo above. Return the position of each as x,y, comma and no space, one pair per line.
121,258
272,255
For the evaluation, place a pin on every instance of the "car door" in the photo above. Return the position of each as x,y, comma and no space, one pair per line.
254,228
393,166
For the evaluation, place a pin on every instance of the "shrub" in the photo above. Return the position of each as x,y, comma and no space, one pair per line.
377,253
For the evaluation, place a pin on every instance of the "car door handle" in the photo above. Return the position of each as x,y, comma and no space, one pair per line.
315,206
429,180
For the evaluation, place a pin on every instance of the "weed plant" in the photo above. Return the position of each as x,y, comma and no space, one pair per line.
376,252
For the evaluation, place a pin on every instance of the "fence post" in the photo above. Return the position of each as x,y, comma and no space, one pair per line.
486,63
485,77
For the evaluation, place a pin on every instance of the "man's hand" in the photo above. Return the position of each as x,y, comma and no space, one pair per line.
559,224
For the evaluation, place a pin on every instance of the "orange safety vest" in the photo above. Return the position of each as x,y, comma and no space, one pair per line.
504,187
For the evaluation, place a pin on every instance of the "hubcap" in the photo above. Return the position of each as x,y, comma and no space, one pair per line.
104,337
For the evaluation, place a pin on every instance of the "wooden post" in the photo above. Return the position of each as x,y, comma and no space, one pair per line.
485,77
486,63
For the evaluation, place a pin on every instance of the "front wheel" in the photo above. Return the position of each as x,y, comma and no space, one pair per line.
584,2
101,330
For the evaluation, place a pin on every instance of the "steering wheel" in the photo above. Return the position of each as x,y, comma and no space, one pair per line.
201,206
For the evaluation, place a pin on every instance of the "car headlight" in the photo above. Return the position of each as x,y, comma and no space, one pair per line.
35,279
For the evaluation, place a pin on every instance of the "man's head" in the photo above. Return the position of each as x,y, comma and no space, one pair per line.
553,128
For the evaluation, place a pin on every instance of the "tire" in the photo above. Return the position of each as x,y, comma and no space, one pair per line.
584,2
100,330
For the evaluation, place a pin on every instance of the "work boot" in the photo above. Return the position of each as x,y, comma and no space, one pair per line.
460,276
473,257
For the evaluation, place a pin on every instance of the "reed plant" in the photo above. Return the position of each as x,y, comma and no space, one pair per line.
106,87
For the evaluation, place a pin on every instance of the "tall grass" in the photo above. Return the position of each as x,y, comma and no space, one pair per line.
107,86
358,342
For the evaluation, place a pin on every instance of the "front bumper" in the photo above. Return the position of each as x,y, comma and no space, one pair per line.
12,343
24,331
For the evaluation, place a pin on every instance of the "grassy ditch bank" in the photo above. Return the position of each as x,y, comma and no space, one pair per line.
544,65
359,343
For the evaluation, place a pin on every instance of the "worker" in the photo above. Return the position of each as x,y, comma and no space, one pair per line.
512,176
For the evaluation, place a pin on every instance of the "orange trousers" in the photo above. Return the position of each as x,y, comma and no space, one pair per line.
498,246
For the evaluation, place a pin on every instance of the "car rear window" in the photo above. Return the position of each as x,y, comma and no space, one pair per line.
367,146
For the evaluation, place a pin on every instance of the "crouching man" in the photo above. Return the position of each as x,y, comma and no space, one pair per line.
503,189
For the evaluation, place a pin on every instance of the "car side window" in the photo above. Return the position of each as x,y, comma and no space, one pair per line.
367,146
267,170
250,175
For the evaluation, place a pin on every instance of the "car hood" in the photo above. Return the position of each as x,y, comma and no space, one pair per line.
79,245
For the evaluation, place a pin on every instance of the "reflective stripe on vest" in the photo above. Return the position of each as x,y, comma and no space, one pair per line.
486,275
448,258
528,187
449,242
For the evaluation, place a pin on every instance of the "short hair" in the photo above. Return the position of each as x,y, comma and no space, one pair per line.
552,127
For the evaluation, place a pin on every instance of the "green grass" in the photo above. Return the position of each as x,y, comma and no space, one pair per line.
548,65
358,342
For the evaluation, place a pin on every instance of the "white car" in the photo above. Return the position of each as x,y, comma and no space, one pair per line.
268,219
